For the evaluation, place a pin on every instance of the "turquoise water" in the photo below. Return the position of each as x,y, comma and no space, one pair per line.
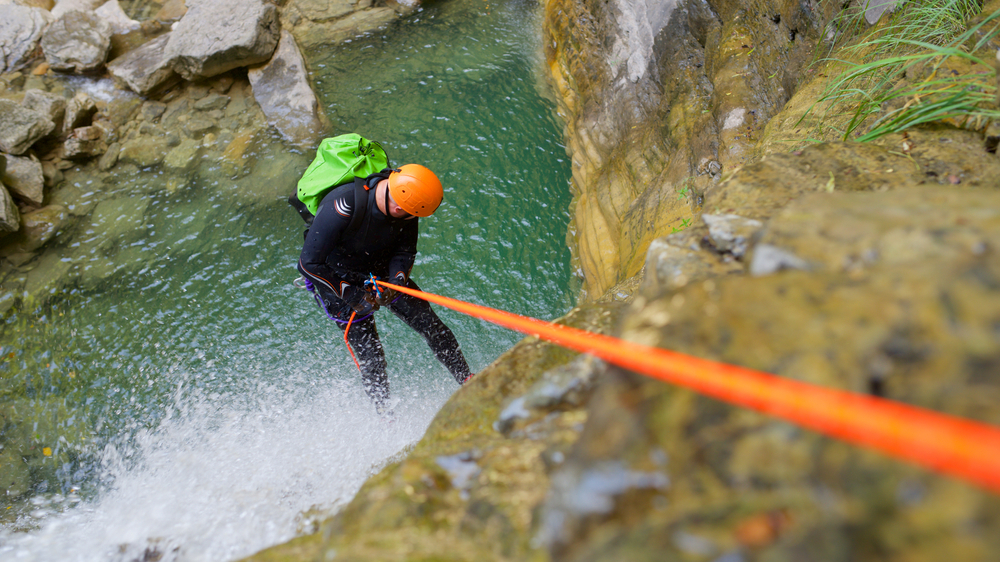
192,400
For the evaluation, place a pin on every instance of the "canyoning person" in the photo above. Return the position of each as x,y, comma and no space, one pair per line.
366,228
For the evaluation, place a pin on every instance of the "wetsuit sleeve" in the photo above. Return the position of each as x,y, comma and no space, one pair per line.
332,219
401,262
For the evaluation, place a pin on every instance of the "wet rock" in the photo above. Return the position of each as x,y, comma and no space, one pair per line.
21,30
200,48
145,70
84,143
80,112
198,126
144,151
284,92
110,157
120,110
24,179
212,102
53,106
311,35
77,42
152,110
239,156
324,10
21,127
79,201
37,228
10,217
184,156
48,277
114,218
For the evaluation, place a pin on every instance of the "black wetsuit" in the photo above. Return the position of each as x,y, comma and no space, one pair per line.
336,263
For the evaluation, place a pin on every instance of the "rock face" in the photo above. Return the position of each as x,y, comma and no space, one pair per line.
208,40
21,30
645,146
284,92
77,42
863,267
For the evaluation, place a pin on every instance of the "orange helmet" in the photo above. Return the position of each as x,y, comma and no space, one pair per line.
416,190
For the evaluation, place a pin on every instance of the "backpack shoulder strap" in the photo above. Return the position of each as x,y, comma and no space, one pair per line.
360,204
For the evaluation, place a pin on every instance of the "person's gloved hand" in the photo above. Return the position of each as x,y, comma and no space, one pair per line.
365,306
385,297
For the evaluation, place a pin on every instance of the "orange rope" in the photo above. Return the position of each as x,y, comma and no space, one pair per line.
347,343
967,449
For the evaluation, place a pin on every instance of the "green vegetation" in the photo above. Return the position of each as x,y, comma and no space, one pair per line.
925,64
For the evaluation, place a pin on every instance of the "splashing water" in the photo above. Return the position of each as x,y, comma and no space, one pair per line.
223,476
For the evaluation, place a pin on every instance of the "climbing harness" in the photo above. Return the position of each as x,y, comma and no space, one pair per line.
948,444
372,285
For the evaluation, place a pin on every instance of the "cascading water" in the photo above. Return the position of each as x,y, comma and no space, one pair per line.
193,404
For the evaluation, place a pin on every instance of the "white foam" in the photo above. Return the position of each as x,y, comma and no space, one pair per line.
223,476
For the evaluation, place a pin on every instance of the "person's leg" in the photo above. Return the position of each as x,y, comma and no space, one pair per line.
418,315
364,340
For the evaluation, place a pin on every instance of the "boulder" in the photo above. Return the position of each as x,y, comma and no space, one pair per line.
24,179
112,13
21,29
283,91
219,35
85,142
10,217
50,105
79,112
145,70
77,42
63,7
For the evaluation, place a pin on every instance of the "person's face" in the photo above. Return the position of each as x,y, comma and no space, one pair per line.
395,211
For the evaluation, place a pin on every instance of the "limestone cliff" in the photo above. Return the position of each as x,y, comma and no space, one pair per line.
865,267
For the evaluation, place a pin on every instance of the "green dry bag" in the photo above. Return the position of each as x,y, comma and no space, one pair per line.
339,159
